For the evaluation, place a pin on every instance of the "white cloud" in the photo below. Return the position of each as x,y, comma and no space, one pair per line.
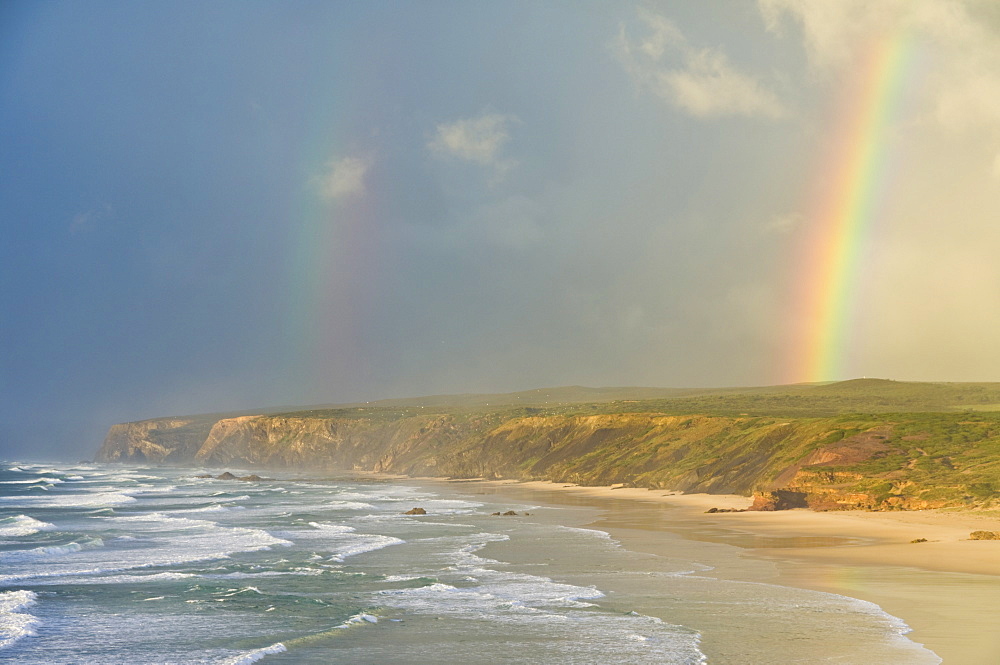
480,140
475,139
971,101
710,86
344,178
84,221
832,31
662,34
929,261
706,85
781,224
951,58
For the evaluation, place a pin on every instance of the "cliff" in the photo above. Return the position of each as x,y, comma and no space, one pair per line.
877,461
163,440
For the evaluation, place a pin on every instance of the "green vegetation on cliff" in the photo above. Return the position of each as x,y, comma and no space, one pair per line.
866,443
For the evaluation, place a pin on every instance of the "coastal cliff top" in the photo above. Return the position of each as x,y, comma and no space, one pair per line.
864,444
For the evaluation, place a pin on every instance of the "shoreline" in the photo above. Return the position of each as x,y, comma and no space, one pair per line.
945,589
875,538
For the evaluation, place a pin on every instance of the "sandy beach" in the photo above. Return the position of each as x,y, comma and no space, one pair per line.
945,589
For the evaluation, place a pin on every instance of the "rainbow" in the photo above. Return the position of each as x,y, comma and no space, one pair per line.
844,212
332,273
334,265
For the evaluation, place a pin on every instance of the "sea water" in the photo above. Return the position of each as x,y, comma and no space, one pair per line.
111,564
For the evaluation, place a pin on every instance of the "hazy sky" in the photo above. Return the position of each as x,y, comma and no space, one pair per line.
223,205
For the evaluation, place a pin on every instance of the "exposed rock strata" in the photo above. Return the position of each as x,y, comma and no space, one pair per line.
162,441
804,461
779,500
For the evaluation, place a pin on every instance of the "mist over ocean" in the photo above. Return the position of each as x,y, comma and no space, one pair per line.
102,564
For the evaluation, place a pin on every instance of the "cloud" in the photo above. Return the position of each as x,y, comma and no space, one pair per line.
710,86
662,34
479,140
952,58
781,224
927,263
84,222
705,85
475,139
344,178
832,31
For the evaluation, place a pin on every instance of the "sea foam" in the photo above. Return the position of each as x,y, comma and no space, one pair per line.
75,500
22,525
15,624
157,540
341,541
254,656
541,608
52,551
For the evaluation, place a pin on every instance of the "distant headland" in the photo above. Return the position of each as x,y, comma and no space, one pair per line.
870,444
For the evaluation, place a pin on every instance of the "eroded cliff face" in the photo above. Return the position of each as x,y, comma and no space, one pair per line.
299,443
686,453
824,463
162,441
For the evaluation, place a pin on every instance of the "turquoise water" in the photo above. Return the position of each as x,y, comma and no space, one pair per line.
106,564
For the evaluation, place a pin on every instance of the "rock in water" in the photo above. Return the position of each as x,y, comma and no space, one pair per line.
226,476
415,511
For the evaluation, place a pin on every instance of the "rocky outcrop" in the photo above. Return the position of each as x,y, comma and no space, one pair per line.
323,443
161,441
688,453
984,535
778,500
229,475
821,480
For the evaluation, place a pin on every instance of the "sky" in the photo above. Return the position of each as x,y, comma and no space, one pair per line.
212,206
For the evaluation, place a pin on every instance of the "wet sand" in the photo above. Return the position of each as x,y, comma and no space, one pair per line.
947,589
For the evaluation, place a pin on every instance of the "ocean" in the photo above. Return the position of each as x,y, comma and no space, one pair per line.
114,564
